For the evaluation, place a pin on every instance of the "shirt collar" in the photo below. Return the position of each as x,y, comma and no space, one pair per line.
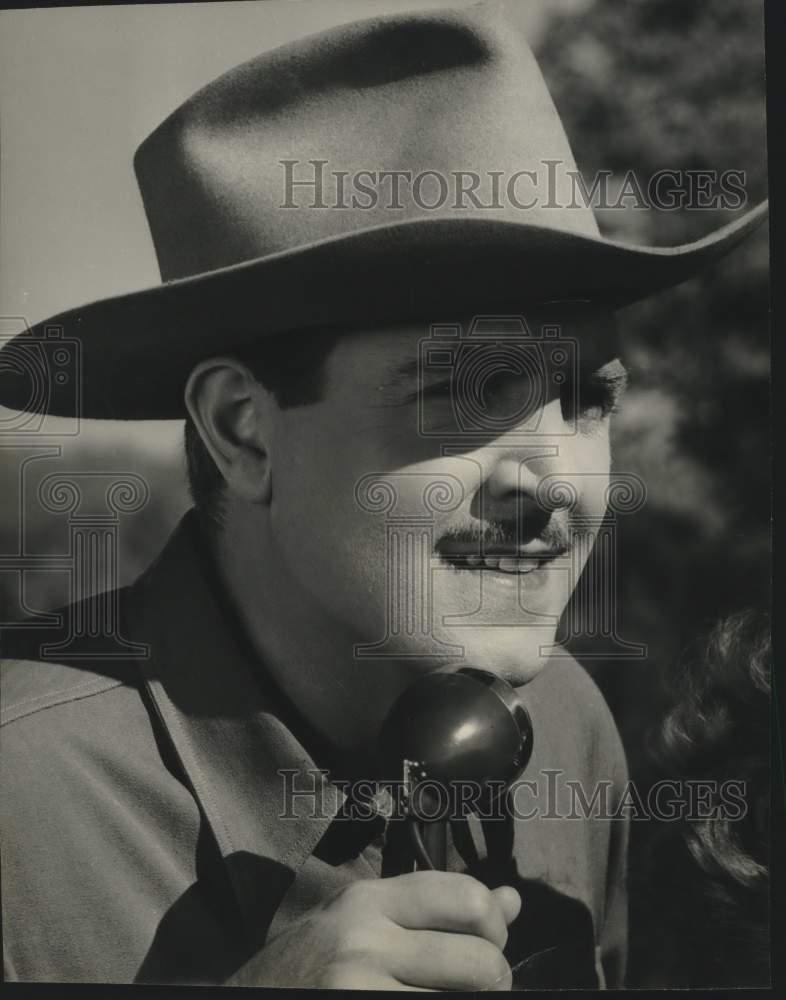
226,727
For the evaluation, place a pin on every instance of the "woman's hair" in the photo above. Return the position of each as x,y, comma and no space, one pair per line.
713,873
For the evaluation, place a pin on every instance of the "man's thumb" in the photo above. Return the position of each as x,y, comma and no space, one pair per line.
510,901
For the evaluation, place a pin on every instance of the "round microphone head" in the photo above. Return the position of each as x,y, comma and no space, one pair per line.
454,732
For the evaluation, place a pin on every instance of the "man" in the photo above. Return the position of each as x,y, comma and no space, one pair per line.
398,364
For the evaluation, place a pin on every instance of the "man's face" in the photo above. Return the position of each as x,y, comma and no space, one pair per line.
438,504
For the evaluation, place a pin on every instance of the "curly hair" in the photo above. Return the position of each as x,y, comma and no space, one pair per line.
714,872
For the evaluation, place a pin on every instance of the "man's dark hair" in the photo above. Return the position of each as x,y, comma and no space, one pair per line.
290,366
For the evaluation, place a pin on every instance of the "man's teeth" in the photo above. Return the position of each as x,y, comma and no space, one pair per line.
508,565
500,564
503,564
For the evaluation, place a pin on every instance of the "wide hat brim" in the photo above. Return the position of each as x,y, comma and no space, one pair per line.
130,355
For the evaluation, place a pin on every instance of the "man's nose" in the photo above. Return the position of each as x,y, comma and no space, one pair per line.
528,485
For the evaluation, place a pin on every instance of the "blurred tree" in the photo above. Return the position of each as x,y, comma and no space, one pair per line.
648,85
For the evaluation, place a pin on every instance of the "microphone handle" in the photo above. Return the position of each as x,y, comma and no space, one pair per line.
430,845
435,837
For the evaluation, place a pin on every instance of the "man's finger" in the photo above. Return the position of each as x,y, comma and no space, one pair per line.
371,981
447,961
445,901
510,902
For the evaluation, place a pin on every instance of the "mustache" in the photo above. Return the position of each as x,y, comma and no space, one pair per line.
485,535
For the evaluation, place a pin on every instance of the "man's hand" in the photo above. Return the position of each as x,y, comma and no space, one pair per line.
423,931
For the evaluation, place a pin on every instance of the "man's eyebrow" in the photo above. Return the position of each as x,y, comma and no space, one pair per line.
405,374
401,374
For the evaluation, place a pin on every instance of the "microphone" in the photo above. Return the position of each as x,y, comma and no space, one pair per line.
449,733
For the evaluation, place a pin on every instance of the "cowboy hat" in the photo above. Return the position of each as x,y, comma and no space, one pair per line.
395,168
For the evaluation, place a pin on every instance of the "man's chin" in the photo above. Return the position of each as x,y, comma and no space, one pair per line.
516,654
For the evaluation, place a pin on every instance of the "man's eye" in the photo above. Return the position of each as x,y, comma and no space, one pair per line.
595,396
599,395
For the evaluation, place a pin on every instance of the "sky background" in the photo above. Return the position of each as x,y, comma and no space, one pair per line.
82,87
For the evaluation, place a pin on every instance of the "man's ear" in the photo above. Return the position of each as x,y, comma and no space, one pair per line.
232,414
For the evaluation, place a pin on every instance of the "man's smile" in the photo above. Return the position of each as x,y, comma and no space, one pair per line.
504,564
511,559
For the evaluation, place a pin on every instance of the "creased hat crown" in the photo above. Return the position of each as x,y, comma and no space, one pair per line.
231,175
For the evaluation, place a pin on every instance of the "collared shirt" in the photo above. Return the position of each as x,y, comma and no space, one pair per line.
149,834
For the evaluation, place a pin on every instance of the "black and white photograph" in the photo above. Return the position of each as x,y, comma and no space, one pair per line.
386,495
